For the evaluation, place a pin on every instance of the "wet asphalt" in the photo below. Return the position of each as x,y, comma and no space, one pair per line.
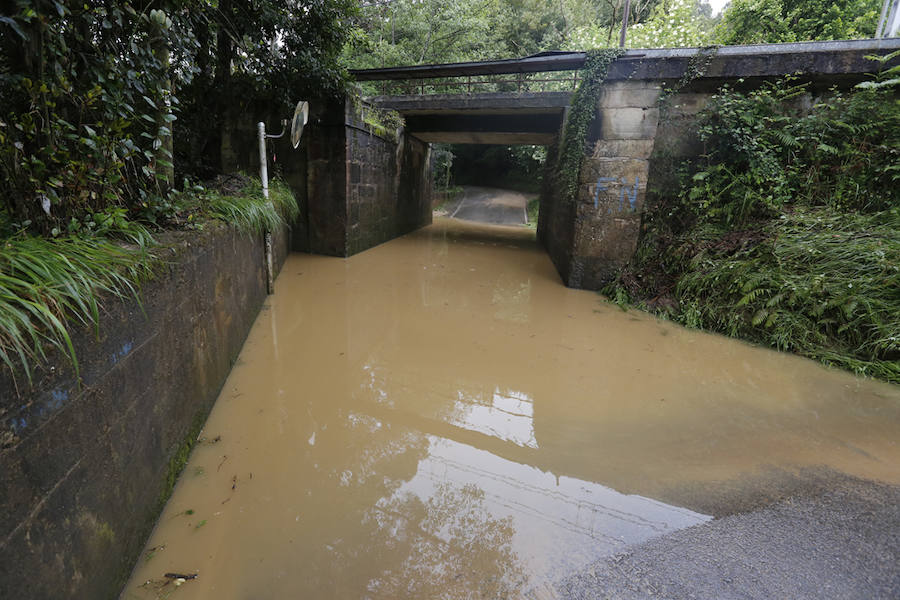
489,205
836,538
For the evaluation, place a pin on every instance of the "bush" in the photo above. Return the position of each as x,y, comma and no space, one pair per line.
764,151
818,282
786,231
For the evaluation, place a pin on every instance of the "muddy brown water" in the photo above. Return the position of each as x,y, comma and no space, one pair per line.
440,418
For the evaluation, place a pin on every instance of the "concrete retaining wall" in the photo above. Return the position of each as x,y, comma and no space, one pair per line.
86,469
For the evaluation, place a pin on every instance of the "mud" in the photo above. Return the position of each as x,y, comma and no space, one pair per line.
440,417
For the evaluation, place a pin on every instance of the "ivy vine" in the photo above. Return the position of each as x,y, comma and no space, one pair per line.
697,67
581,114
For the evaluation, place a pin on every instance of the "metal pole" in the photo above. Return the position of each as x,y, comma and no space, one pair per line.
624,23
263,167
264,178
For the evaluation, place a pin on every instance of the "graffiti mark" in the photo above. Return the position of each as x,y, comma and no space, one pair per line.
601,188
626,192
122,352
632,194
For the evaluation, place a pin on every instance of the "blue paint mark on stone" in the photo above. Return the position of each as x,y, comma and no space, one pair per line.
630,194
600,188
58,397
625,193
122,352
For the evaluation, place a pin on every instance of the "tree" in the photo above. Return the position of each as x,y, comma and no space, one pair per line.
673,24
89,91
773,21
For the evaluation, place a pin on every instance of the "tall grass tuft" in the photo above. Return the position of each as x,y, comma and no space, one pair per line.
250,212
45,283
822,284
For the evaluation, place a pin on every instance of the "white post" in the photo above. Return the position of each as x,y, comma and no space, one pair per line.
263,167
264,178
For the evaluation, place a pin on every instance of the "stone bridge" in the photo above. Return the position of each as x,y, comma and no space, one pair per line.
366,185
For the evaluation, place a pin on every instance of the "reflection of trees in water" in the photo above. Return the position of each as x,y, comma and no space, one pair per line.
446,547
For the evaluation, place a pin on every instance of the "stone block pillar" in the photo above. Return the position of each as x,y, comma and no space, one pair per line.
613,182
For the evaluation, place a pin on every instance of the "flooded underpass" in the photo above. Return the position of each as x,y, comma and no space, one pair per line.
440,418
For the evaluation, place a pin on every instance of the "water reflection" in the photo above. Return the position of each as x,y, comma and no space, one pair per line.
507,415
440,417
553,525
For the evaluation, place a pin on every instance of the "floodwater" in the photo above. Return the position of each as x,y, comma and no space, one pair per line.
439,417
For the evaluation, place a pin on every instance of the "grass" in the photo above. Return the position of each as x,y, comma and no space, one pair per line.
44,283
823,284
815,281
250,212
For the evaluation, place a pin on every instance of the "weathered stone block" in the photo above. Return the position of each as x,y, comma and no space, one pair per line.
623,148
639,94
628,123
603,245
686,103
632,170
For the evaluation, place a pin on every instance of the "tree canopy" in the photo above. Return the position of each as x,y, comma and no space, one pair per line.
90,92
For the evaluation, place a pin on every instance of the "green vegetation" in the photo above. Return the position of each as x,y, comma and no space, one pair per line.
101,105
815,281
46,282
786,231
772,21
566,164
250,212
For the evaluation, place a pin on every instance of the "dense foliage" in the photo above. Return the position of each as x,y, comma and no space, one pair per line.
403,32
786,231
101,103
666,24
771,21
764,152
511,167
90,92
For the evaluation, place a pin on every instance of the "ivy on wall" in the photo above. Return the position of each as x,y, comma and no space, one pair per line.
567,165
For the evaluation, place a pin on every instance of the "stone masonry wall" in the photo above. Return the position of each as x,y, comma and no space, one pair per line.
356,188
613,182
388,186
365,188
85,468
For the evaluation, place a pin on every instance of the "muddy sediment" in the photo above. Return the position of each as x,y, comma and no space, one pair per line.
440,417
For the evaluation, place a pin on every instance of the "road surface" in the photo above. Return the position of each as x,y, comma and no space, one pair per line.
489,205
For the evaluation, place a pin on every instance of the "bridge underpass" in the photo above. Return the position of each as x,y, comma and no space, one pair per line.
501,118
366,186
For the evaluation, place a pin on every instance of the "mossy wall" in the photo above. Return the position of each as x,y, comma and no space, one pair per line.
85,469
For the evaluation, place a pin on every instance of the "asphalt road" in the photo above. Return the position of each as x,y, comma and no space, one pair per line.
489,205
839,538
